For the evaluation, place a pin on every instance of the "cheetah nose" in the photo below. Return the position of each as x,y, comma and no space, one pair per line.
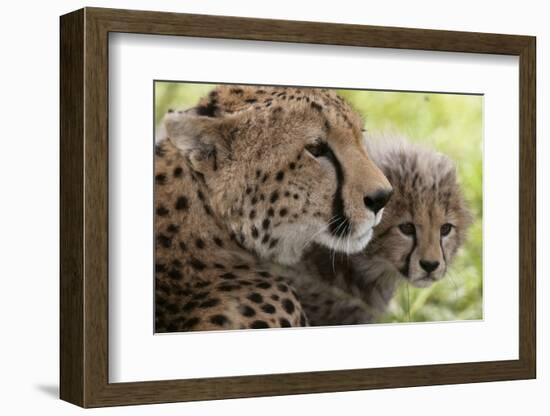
378,200
429,266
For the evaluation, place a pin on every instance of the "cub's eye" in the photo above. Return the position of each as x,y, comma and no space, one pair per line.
318,149
446,229
407,228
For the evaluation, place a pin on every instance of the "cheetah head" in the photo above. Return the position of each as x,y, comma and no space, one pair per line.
284,168
426,221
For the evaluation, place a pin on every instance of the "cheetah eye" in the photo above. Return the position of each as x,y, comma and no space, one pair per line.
318,149
407,228
446,229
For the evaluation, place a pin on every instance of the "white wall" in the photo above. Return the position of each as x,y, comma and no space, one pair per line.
29,207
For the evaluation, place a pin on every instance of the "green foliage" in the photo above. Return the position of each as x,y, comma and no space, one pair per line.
449,123
177,95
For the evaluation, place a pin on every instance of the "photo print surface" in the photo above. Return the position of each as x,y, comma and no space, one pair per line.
285,207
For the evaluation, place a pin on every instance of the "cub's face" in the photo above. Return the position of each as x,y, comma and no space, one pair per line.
284,167
425,222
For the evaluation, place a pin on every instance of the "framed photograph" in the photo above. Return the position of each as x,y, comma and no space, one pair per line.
263,207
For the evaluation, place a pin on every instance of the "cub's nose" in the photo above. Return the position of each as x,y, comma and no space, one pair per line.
378,200
429,266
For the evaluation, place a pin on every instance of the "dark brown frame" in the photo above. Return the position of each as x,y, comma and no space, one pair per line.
84,211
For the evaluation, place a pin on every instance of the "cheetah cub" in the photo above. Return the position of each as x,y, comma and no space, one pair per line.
422,228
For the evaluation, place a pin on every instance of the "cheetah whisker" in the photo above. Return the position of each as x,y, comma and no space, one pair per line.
453,282
323,229
332,251
348,229
339,232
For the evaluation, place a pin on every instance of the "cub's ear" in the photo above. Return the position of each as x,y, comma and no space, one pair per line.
198,138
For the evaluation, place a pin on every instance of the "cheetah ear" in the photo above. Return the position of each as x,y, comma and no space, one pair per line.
197,137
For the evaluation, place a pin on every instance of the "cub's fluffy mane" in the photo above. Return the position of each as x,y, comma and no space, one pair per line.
420,174
398,156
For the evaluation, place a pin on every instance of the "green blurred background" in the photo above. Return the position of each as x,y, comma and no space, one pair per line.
449,123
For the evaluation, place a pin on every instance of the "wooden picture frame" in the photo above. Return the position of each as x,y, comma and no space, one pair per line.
84,207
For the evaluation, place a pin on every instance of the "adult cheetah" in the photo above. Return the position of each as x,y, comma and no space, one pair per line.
245,182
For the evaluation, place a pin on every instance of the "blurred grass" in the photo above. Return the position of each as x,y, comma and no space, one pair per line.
177,95
451,124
